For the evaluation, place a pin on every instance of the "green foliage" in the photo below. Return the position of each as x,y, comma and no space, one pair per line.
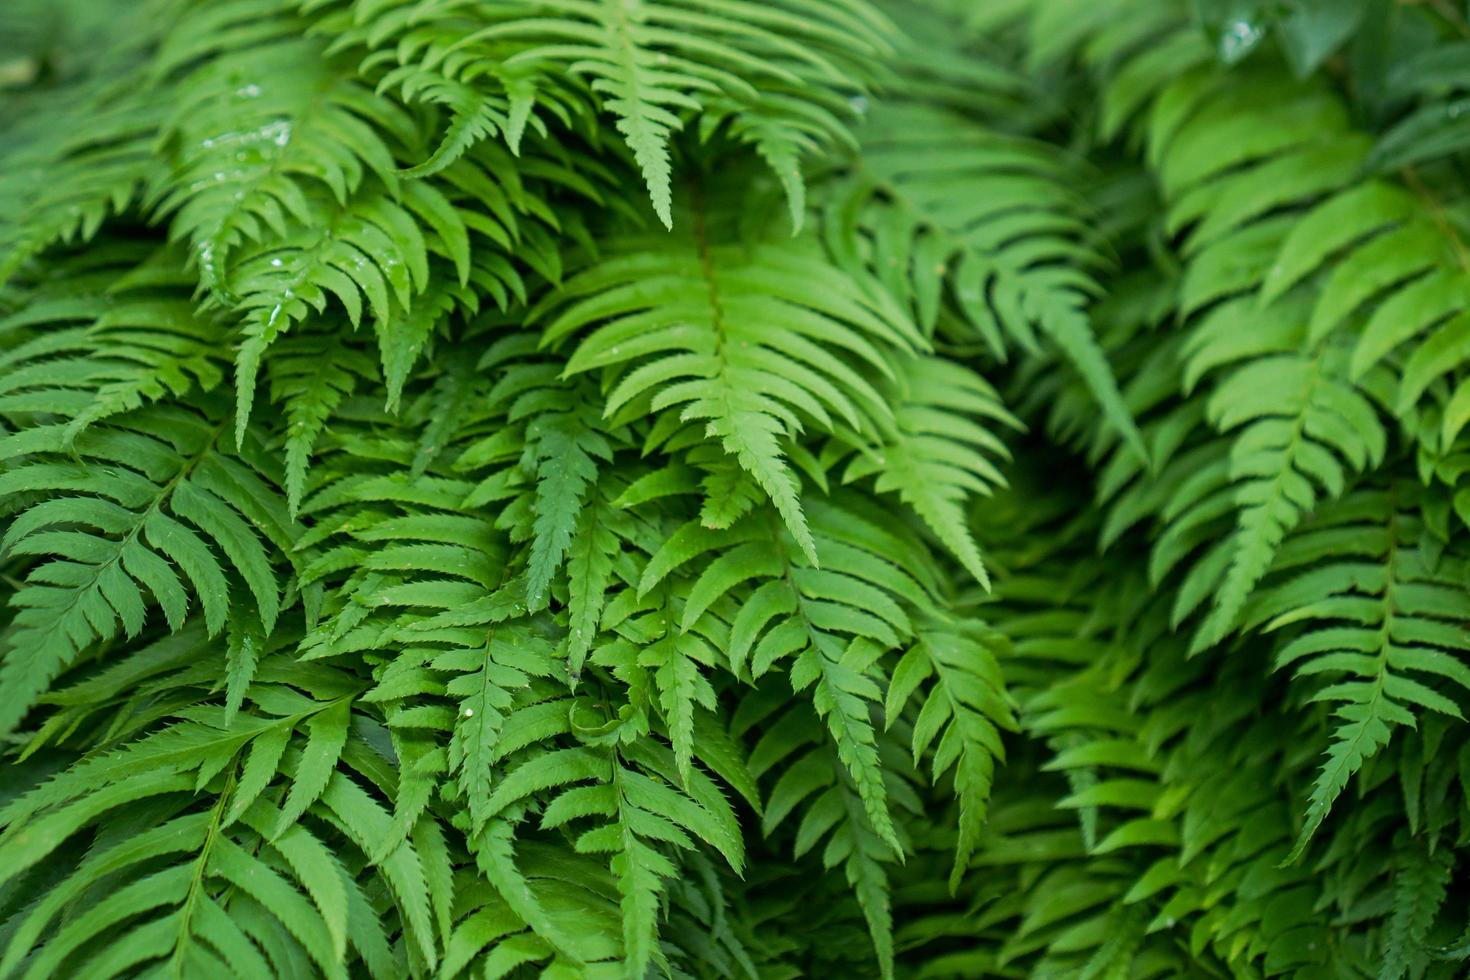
999,512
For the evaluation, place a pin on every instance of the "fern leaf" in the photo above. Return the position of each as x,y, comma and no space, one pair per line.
1383,632
987,217
1419,884
244,639
936,454
255,123
842,690
589,574
81,152
327,735
562,449
960,718
91,589
706,333
837,813
1287,453
651,64
311,377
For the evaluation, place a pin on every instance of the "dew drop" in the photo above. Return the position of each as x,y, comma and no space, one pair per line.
1238,38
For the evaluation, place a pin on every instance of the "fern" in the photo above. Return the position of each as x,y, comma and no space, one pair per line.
1384,616
835,814
1000,512
937,451
964,711
81,150
256,119
773,344
936,204
238,873
174,499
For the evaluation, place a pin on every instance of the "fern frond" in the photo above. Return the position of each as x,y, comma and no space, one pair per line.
1298,424
1385,264
834,811
261,127
755,340
371,252
310,376
172,496
641,816
1288,454
206,879
105,350
80,152
937,453
960,718
943,210
836,624
776,68
562,449
1380,626
1420,882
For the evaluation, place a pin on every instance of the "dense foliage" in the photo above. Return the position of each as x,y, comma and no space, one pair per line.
718,488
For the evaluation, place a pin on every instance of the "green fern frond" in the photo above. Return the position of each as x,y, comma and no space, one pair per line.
80,152
960,718
1288,454
756,340
173,496
834,811
1385,620
937,453
229,870
873,567
1399,273
105,349
649,65
1420,882
942,210
263,126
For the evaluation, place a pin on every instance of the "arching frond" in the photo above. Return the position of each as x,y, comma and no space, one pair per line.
1006,517
946,211
264,125
1378,628
755,339
780,73
78,152
148,510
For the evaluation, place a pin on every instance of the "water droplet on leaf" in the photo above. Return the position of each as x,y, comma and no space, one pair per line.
1238,39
